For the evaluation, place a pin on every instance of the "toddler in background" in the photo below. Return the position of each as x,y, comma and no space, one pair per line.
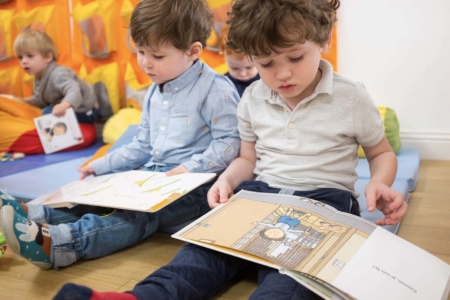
241,70
56,88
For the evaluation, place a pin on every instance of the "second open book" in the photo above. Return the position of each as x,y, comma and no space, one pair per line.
131,190
335,254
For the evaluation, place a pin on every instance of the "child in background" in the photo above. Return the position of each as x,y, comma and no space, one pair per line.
56,88
188,124
241,70
300,128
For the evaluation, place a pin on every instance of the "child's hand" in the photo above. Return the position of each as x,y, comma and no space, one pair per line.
387,200
86,171
219,193
59,110
178,170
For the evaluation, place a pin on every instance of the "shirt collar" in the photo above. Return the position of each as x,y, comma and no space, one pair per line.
189,76
325,86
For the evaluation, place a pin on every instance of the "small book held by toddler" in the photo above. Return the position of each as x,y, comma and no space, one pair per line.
58,133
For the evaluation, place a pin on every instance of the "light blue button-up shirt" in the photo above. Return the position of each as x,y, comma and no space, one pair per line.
191,121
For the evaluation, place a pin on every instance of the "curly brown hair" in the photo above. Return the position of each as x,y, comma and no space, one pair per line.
180,22
262,27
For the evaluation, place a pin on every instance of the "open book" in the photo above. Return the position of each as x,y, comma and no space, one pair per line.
336,255
131,190
57,133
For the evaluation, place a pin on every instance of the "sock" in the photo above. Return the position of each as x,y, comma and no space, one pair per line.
26,238
19,207
2,245
70,291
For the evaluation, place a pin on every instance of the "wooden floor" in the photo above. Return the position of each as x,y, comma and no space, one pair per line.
427,224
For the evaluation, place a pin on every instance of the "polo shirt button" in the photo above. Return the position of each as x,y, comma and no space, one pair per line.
156,152
165,103
291,125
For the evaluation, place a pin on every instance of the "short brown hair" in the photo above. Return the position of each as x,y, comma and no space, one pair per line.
181,22
223,43
260,27
34,40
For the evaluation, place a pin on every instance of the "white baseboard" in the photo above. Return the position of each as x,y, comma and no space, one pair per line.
432,145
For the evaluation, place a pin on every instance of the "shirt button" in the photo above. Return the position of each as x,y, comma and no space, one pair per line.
291,125
211,163
165,103
167,88
176,89
229,149
156,152
162,128
285,110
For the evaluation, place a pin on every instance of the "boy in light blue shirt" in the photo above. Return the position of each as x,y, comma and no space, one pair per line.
188,124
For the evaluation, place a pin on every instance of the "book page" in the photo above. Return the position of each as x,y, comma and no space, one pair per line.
134,190
62,196
57,133
302,235
388,267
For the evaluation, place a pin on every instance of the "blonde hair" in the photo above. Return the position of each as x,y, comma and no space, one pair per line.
223,44
34,40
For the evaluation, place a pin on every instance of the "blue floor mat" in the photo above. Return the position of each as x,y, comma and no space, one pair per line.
40,160
408,167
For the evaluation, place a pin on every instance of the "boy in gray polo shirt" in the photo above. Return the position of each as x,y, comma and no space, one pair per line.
300,128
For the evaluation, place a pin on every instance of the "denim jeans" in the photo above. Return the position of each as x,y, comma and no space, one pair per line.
199,273
102,231
87,117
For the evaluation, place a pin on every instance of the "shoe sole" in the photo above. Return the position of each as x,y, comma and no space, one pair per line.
6,213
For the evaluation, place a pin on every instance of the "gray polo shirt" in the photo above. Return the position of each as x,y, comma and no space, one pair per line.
315,145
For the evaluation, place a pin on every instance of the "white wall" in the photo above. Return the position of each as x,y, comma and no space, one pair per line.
400,50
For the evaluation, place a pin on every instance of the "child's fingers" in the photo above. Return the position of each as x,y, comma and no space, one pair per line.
395,216
371,197
213,197
224,195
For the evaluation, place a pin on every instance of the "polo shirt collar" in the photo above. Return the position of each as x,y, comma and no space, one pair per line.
325,86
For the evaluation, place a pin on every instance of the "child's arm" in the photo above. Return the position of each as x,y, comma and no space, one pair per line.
86,170
59,109
218,112
383,168
241,169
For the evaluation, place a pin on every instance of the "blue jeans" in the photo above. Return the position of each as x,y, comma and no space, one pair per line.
87,117
102,231
199,273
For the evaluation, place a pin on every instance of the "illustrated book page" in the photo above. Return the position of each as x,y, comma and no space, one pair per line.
57,133
131,190
313,242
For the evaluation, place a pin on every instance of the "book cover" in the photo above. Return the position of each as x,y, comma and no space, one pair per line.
57,133
131,190
335,254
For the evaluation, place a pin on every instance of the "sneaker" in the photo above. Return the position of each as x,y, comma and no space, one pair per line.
20,208
26,238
